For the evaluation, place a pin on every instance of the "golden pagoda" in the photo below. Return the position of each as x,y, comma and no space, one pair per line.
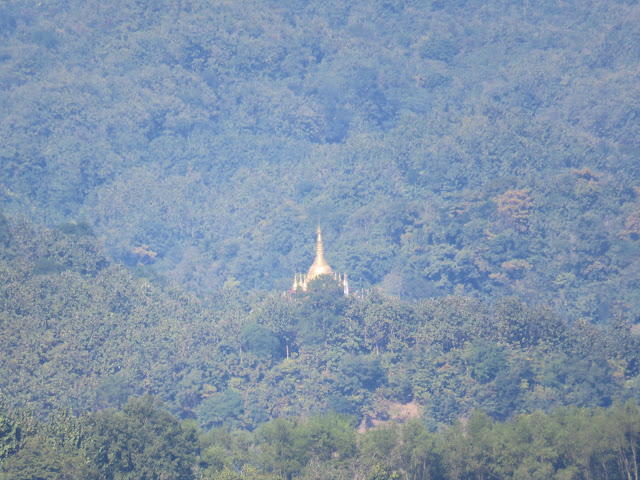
318,267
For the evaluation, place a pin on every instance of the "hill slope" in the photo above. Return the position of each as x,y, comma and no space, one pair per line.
476,147
78,331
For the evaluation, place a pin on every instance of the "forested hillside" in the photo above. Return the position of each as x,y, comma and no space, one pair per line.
475,168
489,148
83,333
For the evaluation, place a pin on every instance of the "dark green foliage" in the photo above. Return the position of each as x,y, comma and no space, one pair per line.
486,360
113,391
361,372
39,459
260,341
43,266
221,409
287,446
141,441
5,235
320,310
81,228
33,450
401,387
283,447
10,433
330,437
442,49
45,38
340,404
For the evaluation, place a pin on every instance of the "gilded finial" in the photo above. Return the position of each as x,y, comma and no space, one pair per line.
319,245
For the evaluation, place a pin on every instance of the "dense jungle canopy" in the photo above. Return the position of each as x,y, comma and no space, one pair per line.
475,167
485,148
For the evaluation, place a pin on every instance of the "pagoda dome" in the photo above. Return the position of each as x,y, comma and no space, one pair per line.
320,265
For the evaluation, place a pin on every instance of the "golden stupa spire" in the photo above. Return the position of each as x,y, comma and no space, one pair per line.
320,265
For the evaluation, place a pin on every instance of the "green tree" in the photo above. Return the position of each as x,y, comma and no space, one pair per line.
260,341
486,360
283,447
419,453
220,409
40,459
139,442
330,437
320,310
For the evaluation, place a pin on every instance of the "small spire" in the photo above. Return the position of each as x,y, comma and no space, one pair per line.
319,245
